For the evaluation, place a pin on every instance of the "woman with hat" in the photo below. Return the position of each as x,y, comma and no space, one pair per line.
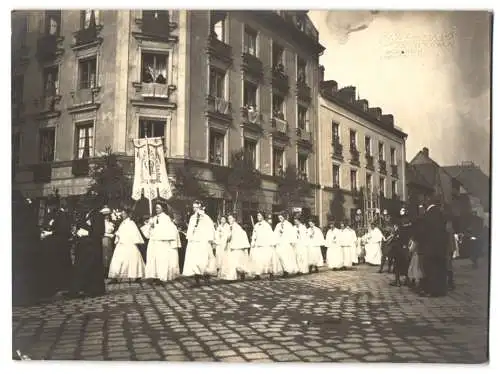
108,238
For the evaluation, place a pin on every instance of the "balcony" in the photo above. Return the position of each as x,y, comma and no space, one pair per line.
87,37
280,129
280,80
84,99
42,173
49,47
80,167
303,91
155,26
220,50
279,172
153,94
394,171
337,150
382,166
304,137
252,119
354,156
49,106
370,164
219,108
252,65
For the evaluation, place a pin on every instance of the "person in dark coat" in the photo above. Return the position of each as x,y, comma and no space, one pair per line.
88,277
388,231
400,251
435,250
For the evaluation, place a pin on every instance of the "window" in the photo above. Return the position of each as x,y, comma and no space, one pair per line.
85,140
17,89
381,155
393,156
382,186
352,140
16,147
336,175
277,56
278,167
335,132
217,82
302,117
278,107
249,94
47,145
88,71
89,17
216,150
53,22
250,41
368,146
250,148
149,128
301,71
354,180
51,81
154,68
218,25
369,185
302,165
394,188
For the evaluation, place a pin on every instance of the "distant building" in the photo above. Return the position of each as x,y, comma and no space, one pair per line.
418,189
208,82
360,150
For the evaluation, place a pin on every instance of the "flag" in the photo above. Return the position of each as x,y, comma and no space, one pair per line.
150,172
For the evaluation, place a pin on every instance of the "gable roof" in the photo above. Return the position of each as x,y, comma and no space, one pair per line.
414,176
473,180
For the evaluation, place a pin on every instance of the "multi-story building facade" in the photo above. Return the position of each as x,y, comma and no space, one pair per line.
208,82
360,149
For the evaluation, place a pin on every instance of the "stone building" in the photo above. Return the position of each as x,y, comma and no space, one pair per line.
208,82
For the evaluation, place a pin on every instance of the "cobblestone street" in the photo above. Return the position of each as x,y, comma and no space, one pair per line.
329,316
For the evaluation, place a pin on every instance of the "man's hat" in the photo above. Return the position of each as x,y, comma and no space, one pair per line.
105,210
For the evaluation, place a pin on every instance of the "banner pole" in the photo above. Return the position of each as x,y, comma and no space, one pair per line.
149,179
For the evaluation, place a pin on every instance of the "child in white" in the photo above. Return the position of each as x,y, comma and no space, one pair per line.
316,241
302,247
334,252
286,240
235,262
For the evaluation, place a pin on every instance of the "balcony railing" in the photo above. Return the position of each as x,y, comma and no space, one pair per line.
337,150
49,102
302,176
80,167
382,166
252,65
279,126
219,105
370,162
304,135
280,80
354,156
87,36
219,49
155,91
303,91
251,116
394,171
84,96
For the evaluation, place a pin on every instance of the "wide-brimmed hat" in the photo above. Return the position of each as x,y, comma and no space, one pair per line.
105,210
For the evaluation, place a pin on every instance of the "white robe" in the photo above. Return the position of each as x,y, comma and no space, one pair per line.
263,257
126,262
162,259
236,258
334,253
315,241
221,237
286,237
354,246
200,259
373,246
348,244
302,248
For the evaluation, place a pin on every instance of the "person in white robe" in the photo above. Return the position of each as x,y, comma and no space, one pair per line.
263,258
235,265
353,246
373,245
345,241
302,246
126,262
221,238
286,241
334,252
316,240
200,259
162,259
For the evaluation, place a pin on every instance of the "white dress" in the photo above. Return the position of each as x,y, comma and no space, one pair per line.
263,258
200,259
347,243
162,259
127,262
354,246
286,240
302,248
334,253
221,237
236,258
316,241
373,246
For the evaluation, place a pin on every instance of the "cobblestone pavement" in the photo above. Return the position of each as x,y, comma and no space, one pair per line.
329,316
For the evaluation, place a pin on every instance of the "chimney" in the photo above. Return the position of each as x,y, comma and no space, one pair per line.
348,94
330,87
376,112
425,151
363,104
321,73
388,119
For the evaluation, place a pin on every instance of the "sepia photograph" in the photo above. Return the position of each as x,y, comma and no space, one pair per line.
251,186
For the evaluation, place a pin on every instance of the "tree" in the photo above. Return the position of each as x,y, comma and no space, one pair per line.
337,211
110,183
292,189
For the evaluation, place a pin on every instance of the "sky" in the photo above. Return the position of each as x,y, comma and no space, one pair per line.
430,69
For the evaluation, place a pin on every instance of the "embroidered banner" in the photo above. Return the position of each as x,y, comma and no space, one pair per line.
150,172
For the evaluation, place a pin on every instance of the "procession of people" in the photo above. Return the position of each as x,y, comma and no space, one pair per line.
107,244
